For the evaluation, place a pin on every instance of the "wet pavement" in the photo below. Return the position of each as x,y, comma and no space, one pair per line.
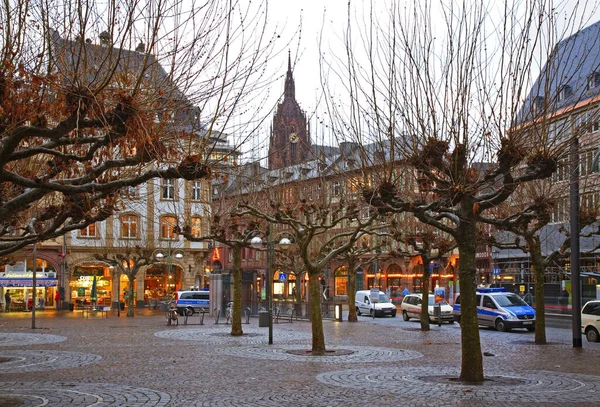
71,360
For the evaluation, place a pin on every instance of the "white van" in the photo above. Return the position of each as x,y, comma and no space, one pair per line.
379,307
189,302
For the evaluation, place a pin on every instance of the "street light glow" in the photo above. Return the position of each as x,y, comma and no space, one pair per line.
285,243
256,242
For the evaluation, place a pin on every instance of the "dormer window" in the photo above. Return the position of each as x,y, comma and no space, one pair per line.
537,104
594,80
564,93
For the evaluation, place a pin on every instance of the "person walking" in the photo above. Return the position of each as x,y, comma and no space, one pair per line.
57,300
7,300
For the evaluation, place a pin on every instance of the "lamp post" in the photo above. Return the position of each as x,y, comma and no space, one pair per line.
160,256
257,242
495,268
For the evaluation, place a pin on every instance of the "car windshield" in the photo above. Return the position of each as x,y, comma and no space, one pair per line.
383,298
432,301
509,300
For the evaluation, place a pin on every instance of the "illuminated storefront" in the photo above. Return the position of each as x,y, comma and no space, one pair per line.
17,278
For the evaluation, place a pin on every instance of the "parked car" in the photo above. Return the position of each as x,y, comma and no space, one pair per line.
411,308
590,320
500,309
188,302
379,306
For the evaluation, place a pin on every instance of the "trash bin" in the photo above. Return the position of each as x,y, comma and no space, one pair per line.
263,318
123,306
71,306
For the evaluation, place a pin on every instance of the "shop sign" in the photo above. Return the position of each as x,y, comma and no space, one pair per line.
27,282
88,271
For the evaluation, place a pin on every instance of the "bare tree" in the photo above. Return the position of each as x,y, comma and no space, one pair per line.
96,97
438,85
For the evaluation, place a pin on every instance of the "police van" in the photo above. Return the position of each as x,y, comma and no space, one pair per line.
188,302
500,309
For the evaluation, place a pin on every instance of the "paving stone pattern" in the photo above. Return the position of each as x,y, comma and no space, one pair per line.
142,362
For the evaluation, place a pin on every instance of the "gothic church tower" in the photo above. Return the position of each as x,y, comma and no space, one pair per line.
290,135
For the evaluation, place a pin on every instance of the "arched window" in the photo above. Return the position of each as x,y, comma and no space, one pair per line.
196,226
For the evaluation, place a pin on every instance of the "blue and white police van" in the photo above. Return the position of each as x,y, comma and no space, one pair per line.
188,302
500,309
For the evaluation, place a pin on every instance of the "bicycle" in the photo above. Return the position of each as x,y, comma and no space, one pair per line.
171,313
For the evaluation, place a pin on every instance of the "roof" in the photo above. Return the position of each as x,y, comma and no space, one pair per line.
569,68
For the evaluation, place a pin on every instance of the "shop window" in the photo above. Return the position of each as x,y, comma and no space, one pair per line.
167,227
341,281
129,226
89,231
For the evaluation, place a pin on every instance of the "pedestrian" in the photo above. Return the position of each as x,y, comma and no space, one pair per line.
6,300
57,300
405,292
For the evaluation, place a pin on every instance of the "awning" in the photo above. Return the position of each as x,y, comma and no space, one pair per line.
28,282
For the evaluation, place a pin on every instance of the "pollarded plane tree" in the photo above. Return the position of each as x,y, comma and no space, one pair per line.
441,83
530,230
129,260
322,231
97,97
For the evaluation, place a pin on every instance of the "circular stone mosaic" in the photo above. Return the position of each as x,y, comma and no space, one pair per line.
350,354
222,335
19,361
523,387
18,339
57,394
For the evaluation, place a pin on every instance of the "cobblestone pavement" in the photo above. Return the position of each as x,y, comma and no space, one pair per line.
74,361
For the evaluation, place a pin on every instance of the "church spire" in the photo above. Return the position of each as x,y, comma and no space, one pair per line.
290,88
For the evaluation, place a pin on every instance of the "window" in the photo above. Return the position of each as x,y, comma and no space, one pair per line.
594,80
335,188
196,191
167,227
564,93
537,104
129,226
89,231
196,226
131,192
341,281
168,189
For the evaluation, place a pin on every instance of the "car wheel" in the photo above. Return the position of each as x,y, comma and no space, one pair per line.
372,313
457,319
531,328
393,314
189,312
592,335
357,311
405,316
500,325
451,321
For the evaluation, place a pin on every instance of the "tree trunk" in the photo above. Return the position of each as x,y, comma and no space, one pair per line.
318,336
425,303
236,321
352,317
540,306
130,303
472,360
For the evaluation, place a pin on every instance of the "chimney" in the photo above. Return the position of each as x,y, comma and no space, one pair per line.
105,39
141,47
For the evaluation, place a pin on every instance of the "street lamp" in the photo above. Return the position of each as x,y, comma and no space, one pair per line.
160,256
256,242
495,268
